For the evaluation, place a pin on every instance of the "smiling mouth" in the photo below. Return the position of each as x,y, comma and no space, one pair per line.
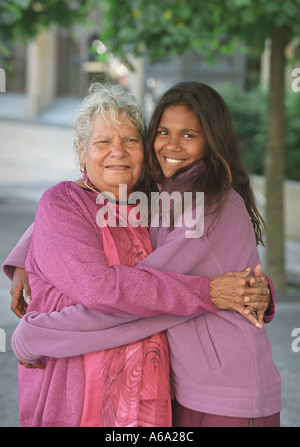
118,167
173,161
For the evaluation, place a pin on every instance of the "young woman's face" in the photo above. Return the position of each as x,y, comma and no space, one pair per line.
180,139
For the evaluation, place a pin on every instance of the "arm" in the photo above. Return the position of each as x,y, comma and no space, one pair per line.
230,291
43,325
239,286
77,330
66,252
14,269
17,256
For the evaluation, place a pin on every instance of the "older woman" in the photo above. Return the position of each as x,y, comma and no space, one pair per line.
68,263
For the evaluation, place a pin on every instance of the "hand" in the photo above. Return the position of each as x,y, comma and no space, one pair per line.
36,365
232,291
19,300
259,278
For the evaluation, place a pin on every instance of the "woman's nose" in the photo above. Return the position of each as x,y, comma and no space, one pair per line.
172,143
118,148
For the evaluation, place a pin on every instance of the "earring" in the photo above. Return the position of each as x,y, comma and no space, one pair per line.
82,169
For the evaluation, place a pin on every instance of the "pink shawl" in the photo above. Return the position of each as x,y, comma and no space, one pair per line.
127,386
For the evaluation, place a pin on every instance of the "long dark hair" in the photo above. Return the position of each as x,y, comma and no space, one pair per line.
223,165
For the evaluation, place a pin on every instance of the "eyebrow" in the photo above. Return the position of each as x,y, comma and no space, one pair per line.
101,137
181,130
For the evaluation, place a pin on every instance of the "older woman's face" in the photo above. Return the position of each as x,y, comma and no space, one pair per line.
114,155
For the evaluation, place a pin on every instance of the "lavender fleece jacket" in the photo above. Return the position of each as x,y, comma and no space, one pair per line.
220,363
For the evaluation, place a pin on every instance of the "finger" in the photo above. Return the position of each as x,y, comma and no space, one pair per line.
18,306
249,316
255,281
38,365
261,281
27,365
260,304
258,291
258,270
260,316
27,292
17,301
245,273
242,274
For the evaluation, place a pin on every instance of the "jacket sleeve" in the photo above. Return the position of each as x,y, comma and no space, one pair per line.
77,330
68,255
17,256
177,253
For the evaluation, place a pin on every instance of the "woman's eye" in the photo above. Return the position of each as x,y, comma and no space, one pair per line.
132,140
162,132
188,135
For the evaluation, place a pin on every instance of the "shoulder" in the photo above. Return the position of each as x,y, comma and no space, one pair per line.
234,198
232,214
64,191
235,208
63,197
61,189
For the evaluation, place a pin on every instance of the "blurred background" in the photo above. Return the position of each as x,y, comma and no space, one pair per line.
50,51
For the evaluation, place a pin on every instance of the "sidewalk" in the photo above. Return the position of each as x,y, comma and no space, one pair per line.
34,157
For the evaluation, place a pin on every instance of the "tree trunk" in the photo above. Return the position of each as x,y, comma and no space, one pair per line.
275,162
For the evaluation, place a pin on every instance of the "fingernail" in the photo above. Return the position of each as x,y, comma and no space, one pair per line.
259,325
246,299
27,299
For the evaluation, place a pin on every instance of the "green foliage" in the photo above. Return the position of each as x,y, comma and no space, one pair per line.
162,27
249,116
170,27
24,18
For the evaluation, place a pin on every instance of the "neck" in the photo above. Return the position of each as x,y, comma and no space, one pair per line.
119,195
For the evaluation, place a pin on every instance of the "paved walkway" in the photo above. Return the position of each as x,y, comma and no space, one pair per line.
33,157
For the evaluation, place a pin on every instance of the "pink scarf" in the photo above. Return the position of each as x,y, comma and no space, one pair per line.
128,386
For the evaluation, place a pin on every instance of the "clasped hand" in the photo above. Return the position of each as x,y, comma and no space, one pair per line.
248,295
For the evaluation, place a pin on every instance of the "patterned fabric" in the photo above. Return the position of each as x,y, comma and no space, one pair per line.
128,386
